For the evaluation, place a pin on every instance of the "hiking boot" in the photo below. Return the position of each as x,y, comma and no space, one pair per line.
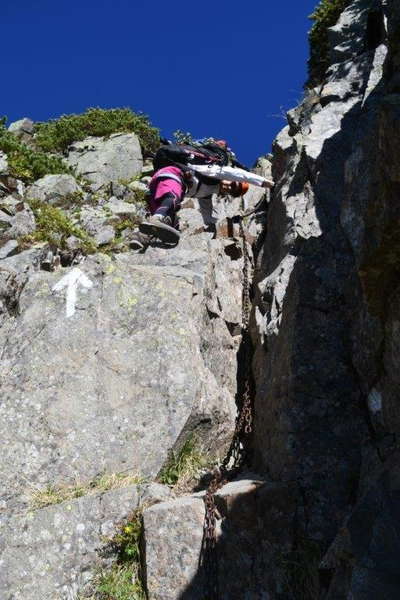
139,241
161,228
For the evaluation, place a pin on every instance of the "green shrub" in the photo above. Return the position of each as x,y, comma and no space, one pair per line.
57,134
54,226
325,15
24,162
183,137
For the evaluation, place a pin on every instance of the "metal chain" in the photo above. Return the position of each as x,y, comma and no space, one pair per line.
236,455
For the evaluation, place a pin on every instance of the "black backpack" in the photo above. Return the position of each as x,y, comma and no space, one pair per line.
182,154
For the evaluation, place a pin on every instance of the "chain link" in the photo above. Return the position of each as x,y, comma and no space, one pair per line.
236,455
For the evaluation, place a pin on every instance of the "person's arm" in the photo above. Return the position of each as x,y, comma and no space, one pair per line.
197,189
232,174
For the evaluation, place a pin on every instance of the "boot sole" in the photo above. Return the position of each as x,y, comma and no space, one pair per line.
163,232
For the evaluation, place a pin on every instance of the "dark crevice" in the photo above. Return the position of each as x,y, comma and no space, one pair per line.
233,251
211,315
376,31
233,328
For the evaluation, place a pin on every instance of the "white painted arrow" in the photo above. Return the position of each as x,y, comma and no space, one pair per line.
72,281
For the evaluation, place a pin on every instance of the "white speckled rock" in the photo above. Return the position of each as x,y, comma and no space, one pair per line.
21,126
9,248
54,189
102,161
51,553
146,359
119,208
253,516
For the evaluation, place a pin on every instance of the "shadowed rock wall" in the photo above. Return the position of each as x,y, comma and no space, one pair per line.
327,312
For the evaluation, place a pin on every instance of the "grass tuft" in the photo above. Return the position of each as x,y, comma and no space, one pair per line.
119,583
183,466
55,494
301,568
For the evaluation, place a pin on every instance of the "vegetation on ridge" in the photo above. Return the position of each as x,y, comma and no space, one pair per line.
26,163
117,583
325,15
57,134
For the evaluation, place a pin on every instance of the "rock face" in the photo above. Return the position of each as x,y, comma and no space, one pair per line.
325,329
101,161
50,553
148,355
326,313
114,385
173,533
55,189
107,381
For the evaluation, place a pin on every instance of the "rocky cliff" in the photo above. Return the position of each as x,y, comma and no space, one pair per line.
113,361
320,518
117,366
326,319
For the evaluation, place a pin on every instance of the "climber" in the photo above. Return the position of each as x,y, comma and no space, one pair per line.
167,189
170,184
209,160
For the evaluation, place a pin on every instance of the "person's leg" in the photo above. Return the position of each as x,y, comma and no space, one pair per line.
167,206
166,197
205,207
209,212
160,224
166,194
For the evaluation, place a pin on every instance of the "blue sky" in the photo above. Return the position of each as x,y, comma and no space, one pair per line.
227,69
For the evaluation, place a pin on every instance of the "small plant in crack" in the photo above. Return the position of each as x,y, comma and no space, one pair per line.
123,580
301,570
185,465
